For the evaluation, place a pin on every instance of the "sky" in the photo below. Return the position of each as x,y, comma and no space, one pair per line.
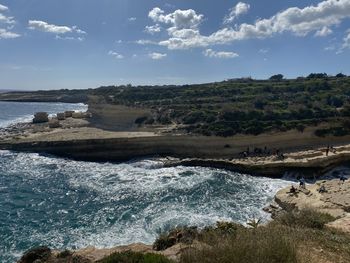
74,44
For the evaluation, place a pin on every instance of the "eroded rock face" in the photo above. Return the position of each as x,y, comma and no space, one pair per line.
41,117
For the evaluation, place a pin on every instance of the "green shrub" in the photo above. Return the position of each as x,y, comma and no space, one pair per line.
261,245
135,257
178,235
306,218
64,254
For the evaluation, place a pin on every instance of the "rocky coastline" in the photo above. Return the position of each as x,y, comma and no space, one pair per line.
332,202
77,139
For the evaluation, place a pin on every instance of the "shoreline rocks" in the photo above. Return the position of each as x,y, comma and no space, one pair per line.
41,117
61,116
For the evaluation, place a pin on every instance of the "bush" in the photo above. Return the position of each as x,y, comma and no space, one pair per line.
135,257
178,235
306,218
262,245
140,120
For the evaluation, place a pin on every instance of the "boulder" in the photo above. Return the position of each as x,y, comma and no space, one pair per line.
78,115
81,115
41,117
68,114
54,123
61,116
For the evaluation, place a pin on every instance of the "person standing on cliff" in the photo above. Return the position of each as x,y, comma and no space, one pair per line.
327,150
302,183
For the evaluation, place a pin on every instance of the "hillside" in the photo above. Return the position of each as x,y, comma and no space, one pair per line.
237,106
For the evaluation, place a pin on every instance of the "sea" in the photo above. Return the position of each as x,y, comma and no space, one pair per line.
68,204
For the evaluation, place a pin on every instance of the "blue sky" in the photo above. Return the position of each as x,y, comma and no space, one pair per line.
53,44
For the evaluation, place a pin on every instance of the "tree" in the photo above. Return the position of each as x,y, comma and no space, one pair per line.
277,77
317,76
340,75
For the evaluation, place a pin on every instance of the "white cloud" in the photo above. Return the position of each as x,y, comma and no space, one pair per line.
238,10
346,41
10,23
264,50
7,19
157,56
145,42
115,55
153,29
298,21
219,54
70,38
45,27
50,28
132,19
3,8
323,32
79,31
179,19
4,34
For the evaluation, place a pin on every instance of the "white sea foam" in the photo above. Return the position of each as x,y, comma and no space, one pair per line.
72,204
131,202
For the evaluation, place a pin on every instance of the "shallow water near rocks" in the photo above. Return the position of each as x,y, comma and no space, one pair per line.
45,200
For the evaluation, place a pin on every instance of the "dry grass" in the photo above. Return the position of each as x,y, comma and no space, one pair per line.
295,237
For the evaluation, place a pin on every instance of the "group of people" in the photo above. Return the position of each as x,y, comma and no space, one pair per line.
262,152
322,189
302,185
330,149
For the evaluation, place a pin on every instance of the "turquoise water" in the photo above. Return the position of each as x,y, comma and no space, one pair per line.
45,200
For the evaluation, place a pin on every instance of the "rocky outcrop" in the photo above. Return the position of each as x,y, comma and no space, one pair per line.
38,254
333,199
41,117
96,145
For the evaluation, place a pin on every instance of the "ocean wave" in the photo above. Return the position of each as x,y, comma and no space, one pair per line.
72,204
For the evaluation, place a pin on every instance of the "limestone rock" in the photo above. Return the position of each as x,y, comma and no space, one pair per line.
81,115
41,117
54,123
68,114
61,116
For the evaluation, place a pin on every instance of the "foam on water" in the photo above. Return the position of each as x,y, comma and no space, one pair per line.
71,204
63,203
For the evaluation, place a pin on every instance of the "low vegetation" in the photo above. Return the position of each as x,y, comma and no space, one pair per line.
244,105
226,108
293,237
134,257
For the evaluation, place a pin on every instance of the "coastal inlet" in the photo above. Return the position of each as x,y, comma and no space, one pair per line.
62,203
69,204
